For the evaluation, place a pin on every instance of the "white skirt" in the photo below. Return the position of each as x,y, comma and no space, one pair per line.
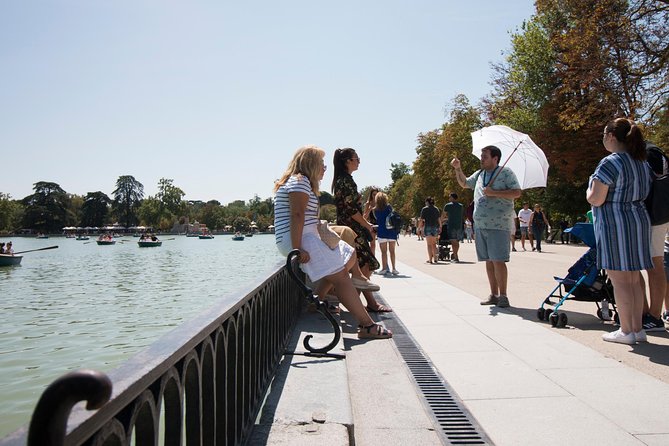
323,261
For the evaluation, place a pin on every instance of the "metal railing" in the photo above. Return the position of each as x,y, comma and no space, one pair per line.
201,384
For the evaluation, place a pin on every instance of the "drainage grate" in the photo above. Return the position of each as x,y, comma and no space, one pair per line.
455,424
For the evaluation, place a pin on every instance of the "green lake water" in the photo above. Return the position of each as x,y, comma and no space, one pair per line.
89,306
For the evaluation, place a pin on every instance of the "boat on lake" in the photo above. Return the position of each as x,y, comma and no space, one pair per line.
40,235
82,237
105,240
149,241
10,260
238,236
206,236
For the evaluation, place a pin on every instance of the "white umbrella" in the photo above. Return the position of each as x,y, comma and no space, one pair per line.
519,153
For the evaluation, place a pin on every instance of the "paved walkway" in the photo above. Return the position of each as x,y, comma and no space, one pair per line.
525,382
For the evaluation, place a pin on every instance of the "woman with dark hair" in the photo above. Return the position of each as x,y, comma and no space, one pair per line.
349,213
431,219
370,217
296,220
622,227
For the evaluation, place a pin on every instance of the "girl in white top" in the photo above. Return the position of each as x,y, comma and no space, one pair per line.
295,222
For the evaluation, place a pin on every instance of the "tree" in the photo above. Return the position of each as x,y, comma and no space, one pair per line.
397,171
95,209
11,213
127,197
46,209
170,197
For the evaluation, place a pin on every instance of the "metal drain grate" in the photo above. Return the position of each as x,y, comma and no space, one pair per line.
456,425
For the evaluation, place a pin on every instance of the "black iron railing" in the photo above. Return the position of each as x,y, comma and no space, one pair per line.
201,384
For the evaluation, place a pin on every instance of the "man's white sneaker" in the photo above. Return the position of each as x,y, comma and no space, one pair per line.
395,272
619,337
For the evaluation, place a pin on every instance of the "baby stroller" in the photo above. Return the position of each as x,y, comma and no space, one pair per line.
444,244
584,282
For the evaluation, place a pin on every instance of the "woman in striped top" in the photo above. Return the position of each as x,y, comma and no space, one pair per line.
295,222
622,226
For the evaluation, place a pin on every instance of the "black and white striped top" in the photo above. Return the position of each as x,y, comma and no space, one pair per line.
282,206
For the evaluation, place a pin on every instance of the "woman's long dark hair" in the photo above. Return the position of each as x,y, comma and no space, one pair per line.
339,163
628,133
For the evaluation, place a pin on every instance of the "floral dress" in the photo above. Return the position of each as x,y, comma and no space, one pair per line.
347,201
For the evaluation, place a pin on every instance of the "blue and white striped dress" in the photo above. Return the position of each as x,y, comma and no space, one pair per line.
323,260
622,225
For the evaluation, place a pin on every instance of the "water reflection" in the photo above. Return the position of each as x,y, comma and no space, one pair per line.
84,305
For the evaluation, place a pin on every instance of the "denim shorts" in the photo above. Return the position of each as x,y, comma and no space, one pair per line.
492,244
523,231
455,234
431,231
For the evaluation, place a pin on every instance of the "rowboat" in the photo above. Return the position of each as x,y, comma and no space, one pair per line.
10,260
105,242
82,237
238,236
149,243
205,236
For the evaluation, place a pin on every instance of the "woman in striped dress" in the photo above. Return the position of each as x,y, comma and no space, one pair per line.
622,227
295,220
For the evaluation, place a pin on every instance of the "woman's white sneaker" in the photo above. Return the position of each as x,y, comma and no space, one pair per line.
619,337
641,336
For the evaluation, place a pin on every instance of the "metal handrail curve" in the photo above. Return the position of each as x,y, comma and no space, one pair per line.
321,307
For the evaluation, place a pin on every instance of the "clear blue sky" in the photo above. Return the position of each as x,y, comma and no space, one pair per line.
217,95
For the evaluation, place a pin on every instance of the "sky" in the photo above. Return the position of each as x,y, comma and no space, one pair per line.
217,95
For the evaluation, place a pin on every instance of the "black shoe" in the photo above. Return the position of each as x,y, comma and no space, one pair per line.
650,323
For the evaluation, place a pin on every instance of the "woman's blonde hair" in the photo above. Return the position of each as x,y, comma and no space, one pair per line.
308,161
381,201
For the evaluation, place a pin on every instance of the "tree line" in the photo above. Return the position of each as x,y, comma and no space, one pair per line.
572,67
50,208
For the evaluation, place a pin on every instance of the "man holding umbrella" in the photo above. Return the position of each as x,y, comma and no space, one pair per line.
495,188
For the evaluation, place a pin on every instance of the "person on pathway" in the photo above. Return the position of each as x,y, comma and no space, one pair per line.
430,219
657,281
538,224
454,213
387,237
468,230
524,218
295,220
616,192
350,213
495,188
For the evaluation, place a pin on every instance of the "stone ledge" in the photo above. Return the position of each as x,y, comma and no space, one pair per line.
308,400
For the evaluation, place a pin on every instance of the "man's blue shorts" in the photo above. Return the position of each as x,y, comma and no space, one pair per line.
455,234
431,231
492,245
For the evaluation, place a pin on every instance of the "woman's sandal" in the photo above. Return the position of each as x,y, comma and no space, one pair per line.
374,331
379,309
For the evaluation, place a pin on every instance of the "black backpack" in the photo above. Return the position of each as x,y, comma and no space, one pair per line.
657,202
394,221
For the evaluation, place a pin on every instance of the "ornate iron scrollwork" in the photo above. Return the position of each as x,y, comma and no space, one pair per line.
321,307
49,420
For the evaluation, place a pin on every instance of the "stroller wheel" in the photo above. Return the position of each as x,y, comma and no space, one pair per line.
547,314
554,319
541,313
562,320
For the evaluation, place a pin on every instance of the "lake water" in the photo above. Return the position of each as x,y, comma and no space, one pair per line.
84,305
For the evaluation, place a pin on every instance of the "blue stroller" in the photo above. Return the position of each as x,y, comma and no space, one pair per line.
584,282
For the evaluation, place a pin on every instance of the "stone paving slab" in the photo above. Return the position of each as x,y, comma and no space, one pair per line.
522,381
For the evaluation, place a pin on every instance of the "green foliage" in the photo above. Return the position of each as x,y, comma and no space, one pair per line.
329,213
46,209
11,213
95,209
397,171
127,199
